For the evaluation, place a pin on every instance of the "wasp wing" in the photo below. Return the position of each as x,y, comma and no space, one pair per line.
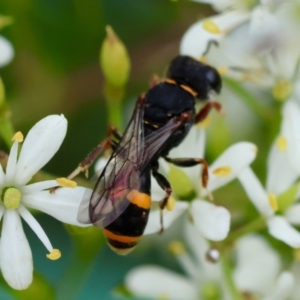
120,175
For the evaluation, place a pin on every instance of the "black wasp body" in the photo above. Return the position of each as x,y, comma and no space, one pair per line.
120,202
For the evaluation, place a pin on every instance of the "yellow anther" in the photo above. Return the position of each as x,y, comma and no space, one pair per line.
222,70
297,254
203,59
211,27
204,123
222,171
273,201
12,198
171,203
54,255
176,248
282,90
281,143
64,182
164,296
18,137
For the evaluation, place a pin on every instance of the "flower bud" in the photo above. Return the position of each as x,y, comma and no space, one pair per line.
114,59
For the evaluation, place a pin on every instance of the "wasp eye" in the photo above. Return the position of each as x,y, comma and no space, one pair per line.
214,79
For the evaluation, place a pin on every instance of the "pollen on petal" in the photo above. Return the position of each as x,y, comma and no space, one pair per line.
171,203
222,171
54,255
281,143
64,182
211,27
204,123
176,248
273,201
18,137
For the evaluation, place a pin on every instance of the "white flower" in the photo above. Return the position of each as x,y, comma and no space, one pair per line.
256,272
211,220
41,143
283,170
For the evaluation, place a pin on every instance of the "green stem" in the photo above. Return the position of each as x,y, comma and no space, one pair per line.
227,272
255,225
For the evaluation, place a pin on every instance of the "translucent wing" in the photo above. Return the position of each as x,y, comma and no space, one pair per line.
120,175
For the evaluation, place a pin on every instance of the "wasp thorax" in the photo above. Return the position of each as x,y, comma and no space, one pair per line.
196,75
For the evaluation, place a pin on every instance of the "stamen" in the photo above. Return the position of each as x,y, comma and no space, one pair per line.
171,203
18,137
54,255
203,59
297,254
222,70
12,198
222,171
282,90
176,248
281,143
204,123
273,201
64,182
211,27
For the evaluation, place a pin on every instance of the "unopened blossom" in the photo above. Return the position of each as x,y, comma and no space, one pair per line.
257,272
211,220
40,144
277,201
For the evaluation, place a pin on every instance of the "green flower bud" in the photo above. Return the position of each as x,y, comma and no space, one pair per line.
114,59
210,291
5,21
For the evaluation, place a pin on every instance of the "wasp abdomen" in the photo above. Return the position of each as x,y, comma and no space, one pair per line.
124,233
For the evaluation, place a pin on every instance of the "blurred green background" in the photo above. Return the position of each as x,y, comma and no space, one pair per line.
56,71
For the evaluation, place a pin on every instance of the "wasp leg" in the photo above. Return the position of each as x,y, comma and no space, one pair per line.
204,111
190,162
113,131
166,186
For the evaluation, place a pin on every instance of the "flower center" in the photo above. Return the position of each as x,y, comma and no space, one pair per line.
11,198
222,171
273,201
211,27
176,248
210,291
281,143
54,255
282,90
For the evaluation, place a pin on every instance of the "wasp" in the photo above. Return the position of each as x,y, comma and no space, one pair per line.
121,200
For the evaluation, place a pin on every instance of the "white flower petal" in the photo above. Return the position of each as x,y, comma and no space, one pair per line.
155,282
195,40
41,143
278,182
257,265
211,220
38,186
36,227
11,163
290,130
62,205
154,226
292,214
15,253
6,51
2,177
282,230
283,287
256,193
199,246
100,164
237,158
